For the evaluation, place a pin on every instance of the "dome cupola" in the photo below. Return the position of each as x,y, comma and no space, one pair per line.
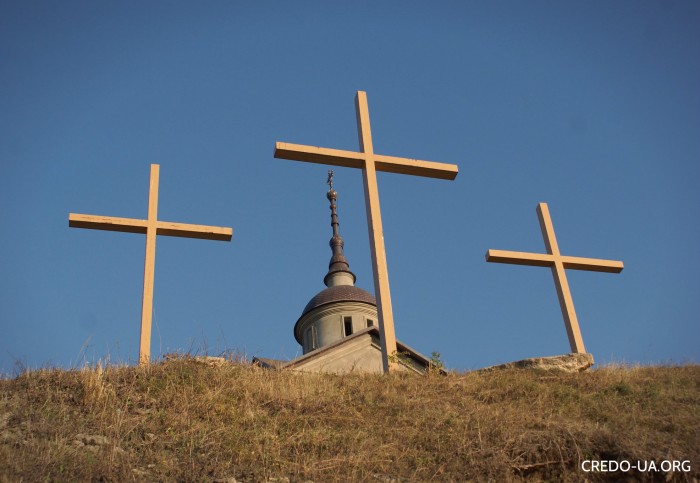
340,309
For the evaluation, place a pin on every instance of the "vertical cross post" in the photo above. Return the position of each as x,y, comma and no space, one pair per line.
376,236
149,268
370,163
566,302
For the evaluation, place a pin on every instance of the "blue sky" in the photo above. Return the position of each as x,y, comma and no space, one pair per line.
592,107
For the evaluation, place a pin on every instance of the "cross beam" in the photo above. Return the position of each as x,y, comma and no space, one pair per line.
558,263
352,159
369,162
150,227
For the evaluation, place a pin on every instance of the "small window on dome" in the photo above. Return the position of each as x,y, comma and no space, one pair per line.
310,338
370,323
347,322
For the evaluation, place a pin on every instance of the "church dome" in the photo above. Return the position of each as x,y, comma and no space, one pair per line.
339,293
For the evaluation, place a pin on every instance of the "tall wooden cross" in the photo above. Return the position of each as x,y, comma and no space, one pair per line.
369,162
558,263
151,227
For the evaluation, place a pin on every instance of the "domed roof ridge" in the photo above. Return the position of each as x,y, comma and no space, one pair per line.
339,293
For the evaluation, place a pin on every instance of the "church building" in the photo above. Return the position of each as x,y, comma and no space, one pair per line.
338,328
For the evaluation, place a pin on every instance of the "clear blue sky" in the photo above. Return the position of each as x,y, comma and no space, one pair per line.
592,107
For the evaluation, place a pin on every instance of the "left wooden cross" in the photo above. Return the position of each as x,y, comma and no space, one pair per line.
151,227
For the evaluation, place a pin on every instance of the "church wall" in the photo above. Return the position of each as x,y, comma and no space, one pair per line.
358,355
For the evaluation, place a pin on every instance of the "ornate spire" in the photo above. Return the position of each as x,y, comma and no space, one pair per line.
338,269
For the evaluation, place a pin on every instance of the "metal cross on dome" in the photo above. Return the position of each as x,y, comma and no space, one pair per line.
369,162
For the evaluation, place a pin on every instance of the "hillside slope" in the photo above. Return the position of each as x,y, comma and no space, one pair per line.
186,421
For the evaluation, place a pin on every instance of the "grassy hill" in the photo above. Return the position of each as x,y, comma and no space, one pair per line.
186,421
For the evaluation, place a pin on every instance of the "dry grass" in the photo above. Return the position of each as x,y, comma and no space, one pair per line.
185,421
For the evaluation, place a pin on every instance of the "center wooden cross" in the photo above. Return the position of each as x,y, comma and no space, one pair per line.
151,227
558,262
370,163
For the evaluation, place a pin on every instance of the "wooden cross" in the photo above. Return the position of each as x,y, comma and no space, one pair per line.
558,264
151,227
369,162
